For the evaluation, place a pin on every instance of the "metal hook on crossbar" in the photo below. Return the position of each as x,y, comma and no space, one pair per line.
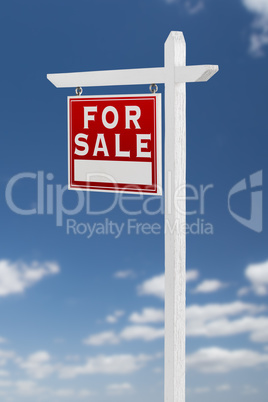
153,88
78,91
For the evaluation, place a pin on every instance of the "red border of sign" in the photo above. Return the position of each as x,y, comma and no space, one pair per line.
156,187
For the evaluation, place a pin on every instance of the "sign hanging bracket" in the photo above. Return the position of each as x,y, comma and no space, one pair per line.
153,88
78,91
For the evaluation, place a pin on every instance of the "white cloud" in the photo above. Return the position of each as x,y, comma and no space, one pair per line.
119,389
192,275
65,392
5,356
213,320
158,370
259,330
148,315
243,291
155,286
16,277
72,358
24,388
194,7
132,332
142,332
259,34
5,383
209,312
256,6
259,39
113,364
209,286
128,273
38,365
71,393
249,390
28,388
191,6
223,388
108,337
113,318
202,390
84,393
219,360
256,326
3,340
257,274
4,373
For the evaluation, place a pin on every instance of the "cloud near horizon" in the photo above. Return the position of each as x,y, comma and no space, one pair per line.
16,277
220,320
155,286
209,286
132,332
220,360
209,321
41,365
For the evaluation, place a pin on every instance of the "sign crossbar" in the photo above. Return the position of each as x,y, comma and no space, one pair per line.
132,76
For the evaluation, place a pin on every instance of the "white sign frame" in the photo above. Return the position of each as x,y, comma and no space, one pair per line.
158,144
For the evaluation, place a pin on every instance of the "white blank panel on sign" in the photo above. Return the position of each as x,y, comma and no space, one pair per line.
113,172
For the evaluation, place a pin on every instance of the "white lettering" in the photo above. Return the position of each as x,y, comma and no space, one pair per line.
98,148
119,153
143,145
88,117
81,144
115,113
134,117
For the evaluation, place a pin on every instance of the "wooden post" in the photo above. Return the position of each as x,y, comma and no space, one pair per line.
175,176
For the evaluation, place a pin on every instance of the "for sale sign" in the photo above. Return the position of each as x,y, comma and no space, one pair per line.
115,143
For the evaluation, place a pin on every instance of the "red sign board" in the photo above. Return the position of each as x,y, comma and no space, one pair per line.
115,143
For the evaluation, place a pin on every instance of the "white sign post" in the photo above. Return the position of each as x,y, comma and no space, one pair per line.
174,75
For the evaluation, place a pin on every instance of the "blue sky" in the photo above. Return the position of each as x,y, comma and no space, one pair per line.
82,316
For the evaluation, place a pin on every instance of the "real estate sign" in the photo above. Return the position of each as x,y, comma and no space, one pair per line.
115,143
